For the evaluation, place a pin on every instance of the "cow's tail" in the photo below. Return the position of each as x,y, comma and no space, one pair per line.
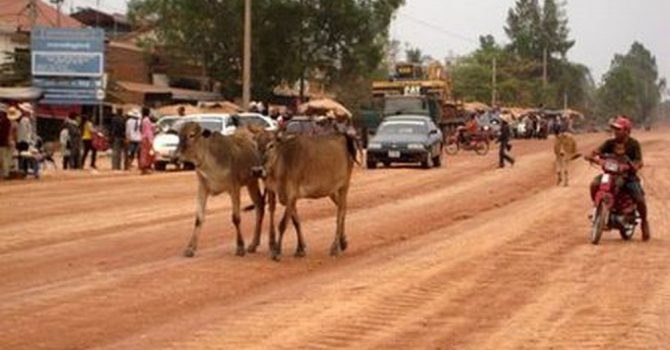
352,147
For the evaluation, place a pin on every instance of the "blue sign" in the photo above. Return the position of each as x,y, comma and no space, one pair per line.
68,64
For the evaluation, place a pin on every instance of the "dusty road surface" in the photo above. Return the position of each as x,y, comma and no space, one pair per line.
462,257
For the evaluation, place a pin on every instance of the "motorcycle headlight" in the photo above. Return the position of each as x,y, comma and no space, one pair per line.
416,146
374,145
612,166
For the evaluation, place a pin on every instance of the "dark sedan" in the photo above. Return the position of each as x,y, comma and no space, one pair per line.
406,139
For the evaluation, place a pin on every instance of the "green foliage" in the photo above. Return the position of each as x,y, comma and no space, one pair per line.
519,71
333,41
532,29
632,85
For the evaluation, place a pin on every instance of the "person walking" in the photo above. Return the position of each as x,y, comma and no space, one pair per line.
6,143
117,133
505,146
146,159
133,136
87,131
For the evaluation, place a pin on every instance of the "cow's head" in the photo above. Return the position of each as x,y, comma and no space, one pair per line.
190,137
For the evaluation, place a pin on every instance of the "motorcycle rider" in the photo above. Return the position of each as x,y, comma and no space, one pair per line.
469,130
624,144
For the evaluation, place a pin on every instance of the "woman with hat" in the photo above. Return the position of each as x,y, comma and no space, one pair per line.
7,140
24,134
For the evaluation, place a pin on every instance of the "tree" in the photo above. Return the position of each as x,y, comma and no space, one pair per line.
523,28
413,55
533,29
632,85
330,40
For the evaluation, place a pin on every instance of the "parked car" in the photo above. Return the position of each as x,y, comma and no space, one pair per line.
166,141
406,139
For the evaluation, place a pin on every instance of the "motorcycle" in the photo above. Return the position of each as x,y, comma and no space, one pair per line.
614,208
478,142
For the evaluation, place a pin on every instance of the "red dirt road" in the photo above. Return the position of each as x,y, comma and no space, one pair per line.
461,257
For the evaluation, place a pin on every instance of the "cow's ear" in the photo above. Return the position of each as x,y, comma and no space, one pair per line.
206,133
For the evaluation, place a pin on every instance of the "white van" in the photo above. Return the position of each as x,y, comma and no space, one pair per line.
166,141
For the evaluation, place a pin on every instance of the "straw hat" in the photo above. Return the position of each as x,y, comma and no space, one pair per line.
13,113
134,112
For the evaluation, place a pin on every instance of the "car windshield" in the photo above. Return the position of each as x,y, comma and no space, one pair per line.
405,105
403,128
165,123
252,120
211,124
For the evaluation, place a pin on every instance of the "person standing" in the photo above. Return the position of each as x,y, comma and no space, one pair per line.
133,136
87,131
6,143
117,133
146,159
24,136
74,136
65,145
505,146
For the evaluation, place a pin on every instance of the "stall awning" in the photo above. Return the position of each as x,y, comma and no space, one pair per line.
20,93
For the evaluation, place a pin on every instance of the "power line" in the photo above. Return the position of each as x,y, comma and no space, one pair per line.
437,28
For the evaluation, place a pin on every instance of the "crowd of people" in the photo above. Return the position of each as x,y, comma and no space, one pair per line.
22,152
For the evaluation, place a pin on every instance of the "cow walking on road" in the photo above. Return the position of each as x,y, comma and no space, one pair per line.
308,167
565,150
222,164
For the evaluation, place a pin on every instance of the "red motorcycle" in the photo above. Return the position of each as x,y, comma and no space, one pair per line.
478,142
614,208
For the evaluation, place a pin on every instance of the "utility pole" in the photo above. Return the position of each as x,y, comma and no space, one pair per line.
493,84
544,68
246,70
301,49
565,100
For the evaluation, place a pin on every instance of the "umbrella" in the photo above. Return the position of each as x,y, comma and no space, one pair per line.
174,109
323,106
472,107
219,107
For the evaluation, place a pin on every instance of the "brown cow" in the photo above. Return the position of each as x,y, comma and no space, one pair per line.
222,164
303,166
565,150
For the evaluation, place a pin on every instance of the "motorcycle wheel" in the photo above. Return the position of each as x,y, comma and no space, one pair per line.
626,235
482,148
451,148
599,220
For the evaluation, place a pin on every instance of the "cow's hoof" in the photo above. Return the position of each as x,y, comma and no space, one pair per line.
240,251
343,245
189,253
276,257
299,254
252,248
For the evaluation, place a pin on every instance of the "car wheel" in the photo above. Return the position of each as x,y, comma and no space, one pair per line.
188,166
428,162
371,164
437,160
387,164
160,166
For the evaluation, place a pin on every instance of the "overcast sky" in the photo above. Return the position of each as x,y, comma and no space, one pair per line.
601,28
